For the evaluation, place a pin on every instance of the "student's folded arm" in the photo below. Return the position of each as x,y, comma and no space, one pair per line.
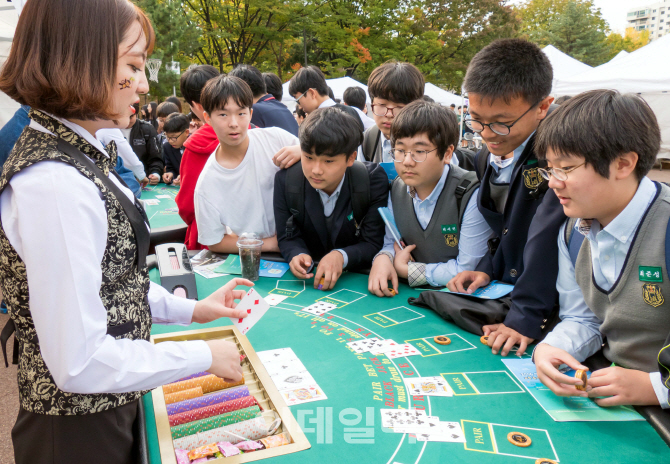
472,246
289,247
578,333
63,234
534,295
373,227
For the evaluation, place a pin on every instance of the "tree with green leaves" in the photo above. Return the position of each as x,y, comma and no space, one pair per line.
630,41
579,32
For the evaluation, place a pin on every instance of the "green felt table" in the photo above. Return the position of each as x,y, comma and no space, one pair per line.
164,214
347,426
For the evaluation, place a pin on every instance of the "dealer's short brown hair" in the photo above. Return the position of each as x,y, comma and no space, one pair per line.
65,53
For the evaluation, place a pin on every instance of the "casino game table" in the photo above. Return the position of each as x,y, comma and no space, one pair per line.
166,224
346,427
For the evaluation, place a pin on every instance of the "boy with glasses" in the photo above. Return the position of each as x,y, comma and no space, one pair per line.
176,132
508,84
391,87
433,203
599,146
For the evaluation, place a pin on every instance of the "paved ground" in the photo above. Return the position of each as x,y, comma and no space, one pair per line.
9,402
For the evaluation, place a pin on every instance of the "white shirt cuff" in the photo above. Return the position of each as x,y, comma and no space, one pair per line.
199,355
346,258
169,309
660,389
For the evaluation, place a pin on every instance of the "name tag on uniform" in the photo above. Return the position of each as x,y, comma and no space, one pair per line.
450,232
351,216
650,274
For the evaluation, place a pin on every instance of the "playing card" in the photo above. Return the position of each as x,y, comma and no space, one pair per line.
304,395
429,386
362,346
447,432
418,425
255,306
151,202
383,345
401,417
163,196
293,381
284,368
273,299
278,355
400,351
319,308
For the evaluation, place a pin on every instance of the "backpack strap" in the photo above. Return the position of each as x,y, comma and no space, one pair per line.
295,197
573,241
481,162
359,188
370,143
464,189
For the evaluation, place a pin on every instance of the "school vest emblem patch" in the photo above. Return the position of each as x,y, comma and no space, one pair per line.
651,293
450,232
532,178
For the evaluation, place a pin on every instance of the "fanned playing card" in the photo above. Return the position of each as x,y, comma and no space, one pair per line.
255,306
363,346
447,432
319,308
383,345
401,417
427,424
401,351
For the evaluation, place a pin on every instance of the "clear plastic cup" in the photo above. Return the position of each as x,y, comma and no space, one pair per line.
249,246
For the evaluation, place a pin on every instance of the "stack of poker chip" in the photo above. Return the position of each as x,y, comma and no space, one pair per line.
212,410
208,400
208,383
252,429
215,422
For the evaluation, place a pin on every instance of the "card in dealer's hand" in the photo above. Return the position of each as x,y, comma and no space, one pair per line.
400,351
255,306
319,308
363,346
428,386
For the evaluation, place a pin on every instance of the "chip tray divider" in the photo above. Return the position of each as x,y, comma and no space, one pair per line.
260,386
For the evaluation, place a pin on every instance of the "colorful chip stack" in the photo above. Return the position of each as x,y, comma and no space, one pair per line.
213,410
192,376
252,429
214,422
208,400
209,383
183,395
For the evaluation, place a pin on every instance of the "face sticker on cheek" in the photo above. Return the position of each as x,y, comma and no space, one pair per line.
126,83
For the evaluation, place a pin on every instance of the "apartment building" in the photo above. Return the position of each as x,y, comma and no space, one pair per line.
655,18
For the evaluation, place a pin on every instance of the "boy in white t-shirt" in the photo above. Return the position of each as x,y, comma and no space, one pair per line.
234,191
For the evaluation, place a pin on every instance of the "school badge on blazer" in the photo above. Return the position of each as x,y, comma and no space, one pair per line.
651,293
450,232
532,178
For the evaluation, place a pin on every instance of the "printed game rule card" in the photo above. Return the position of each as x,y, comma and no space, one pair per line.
566,409
492,291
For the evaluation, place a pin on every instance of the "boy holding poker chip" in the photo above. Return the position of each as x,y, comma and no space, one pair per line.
326,207
613,269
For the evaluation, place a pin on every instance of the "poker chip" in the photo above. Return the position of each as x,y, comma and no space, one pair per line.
545,461
581,375
442,340
393,293
485,340
519,439
209,383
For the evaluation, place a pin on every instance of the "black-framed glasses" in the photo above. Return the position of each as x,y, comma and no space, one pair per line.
419,156
496,127
382,110
174,139
558,173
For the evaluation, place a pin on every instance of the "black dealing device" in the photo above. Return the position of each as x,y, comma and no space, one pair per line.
175,270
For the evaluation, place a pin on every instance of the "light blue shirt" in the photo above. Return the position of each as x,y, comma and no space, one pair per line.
472,245
578,333
504,175
329,202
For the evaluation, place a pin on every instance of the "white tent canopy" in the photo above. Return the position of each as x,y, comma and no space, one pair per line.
442,96
8,18
621,54
645,71
564,65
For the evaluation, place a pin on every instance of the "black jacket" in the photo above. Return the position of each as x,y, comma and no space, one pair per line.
527,255
172,158
269,112
143,140
312,237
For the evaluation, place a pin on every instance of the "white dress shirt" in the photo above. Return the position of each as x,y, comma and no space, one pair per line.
327,103
124,150
472,244
329,202
55,219
367,121
578,333
503,175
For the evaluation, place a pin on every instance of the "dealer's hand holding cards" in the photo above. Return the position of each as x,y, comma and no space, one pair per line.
221,303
